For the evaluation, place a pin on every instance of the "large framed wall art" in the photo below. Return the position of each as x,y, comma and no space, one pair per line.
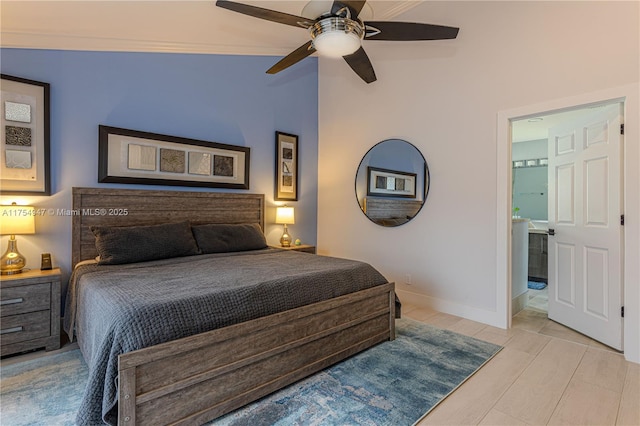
390,183
131,156
286,167
24,140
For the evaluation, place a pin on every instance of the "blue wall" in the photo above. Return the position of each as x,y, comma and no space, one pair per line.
220,98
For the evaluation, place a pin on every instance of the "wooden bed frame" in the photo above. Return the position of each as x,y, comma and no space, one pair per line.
390,208
201,377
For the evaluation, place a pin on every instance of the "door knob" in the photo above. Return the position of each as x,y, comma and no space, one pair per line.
552,231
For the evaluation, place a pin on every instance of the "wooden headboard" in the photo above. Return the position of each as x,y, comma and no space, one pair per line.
390,208
129,207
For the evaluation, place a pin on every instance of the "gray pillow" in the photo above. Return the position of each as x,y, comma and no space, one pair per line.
129,244
223,238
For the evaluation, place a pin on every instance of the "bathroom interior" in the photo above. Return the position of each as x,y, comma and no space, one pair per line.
530,225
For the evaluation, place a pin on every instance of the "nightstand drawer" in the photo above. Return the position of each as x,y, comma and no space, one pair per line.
303,248
306,249
28,298
19,328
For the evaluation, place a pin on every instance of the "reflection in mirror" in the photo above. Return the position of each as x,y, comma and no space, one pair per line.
392,182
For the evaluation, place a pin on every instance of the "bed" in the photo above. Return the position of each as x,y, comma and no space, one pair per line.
194,366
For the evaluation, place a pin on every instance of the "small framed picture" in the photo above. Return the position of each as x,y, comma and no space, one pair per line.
286,167
24,148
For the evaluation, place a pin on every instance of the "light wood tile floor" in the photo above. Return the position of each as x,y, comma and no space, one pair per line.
546,374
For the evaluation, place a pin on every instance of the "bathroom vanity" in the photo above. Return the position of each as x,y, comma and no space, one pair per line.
538,251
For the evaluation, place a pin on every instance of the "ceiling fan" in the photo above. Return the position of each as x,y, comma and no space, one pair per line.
339,33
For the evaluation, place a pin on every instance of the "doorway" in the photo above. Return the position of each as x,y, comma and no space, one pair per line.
583,193
630,96
529,198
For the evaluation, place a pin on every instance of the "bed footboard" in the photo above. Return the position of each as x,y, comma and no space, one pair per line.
198,378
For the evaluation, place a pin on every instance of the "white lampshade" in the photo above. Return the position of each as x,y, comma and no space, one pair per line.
285,215
17,220
336,44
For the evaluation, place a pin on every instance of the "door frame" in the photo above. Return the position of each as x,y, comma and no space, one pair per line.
629,96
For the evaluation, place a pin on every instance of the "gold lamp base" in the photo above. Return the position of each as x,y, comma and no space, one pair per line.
285,240
12,261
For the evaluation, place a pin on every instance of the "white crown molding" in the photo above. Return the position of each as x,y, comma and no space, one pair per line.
35,40
70,36
398,9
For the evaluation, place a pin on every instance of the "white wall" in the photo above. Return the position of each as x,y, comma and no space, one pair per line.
444,97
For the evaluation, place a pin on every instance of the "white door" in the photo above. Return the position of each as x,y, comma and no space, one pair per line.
585,205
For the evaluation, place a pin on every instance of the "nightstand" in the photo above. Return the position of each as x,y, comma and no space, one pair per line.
304,248
30,311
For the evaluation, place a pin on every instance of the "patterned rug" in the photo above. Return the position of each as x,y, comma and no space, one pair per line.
43,391
394,383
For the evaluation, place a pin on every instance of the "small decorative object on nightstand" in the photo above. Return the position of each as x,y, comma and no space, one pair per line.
285,216
30,311
16,220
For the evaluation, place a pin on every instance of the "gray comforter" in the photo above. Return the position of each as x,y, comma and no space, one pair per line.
121,308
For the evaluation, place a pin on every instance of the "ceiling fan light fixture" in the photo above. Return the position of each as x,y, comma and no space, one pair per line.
336,37
337,28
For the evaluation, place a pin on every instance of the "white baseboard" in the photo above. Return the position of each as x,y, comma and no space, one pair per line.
519,303
469,312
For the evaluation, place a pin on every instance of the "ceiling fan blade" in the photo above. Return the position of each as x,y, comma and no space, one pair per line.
268,14
292,58
355,6
407,31
360,63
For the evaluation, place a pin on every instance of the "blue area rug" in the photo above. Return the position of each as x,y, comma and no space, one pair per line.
535,285
395,383
43,391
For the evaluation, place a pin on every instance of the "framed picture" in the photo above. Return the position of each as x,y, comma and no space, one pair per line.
24,146
286,167
390,183
130,156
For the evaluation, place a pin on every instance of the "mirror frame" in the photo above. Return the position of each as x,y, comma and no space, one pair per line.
426,183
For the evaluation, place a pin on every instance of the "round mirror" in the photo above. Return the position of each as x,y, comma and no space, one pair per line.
392,182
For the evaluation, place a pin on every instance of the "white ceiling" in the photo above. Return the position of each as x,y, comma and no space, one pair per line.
160,26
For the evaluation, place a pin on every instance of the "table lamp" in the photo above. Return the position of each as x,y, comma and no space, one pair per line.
15,220
285,216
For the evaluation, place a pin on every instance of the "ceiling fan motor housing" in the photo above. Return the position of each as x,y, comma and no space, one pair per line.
336,36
